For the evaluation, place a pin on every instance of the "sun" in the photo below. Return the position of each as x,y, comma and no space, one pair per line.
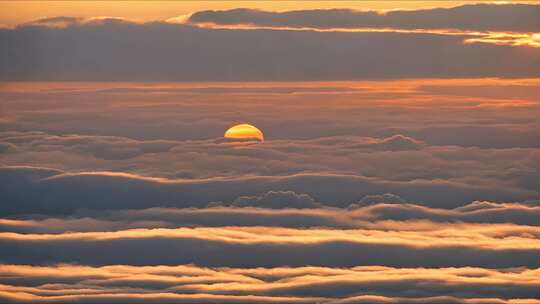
244,132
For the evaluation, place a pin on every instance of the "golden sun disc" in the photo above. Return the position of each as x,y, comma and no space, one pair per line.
244,132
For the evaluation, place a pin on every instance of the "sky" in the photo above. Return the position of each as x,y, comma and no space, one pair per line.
21,11
393,154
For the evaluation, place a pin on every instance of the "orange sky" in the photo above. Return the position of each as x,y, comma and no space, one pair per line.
15,12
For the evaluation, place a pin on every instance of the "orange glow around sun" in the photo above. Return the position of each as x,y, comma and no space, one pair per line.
244,132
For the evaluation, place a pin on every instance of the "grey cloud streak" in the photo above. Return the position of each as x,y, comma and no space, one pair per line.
480,17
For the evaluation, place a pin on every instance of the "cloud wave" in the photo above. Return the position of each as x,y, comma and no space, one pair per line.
38,190
375,216
496,246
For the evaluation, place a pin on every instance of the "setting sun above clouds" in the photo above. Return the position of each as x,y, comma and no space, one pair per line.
268,152
244,132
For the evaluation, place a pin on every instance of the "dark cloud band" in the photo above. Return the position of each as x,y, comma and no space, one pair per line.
479,17
111,50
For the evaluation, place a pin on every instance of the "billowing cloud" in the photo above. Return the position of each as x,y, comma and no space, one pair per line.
277,199
378,198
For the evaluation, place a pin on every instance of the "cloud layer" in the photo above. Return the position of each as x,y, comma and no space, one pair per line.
409,191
